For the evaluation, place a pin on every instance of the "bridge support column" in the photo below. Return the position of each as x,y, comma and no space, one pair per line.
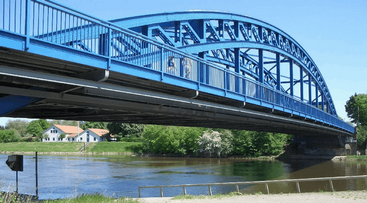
341,145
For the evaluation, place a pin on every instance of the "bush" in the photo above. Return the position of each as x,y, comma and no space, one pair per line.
254,144
171,139
361,136
9,136
215,144
131,139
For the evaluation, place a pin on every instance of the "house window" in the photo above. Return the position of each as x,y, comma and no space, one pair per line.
53,139
95,139
81,139
73,139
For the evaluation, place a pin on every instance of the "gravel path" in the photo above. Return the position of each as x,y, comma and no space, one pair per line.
336,197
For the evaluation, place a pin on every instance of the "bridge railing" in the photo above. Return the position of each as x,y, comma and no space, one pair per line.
265,183
56,24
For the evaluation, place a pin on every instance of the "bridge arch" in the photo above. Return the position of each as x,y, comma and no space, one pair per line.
90,68
217,36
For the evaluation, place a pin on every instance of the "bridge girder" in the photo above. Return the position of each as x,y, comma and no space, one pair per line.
216,33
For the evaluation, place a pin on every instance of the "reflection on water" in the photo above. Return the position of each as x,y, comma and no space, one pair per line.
63,176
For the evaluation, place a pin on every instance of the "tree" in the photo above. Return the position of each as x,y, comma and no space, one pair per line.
63,122
254,144
361,136
9,136
98,125
44,124
18,125
128,130
62,136
356,108
215,143
35,128
171,140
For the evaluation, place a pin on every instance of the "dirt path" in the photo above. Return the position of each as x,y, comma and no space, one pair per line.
336,197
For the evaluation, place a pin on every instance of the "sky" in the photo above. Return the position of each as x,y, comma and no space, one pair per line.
331,31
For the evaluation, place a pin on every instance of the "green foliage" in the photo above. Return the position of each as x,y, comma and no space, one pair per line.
355,102
18,125
62,136
255,144
361,136
9,136
119,147
215,144
134,139
42,146
44,124
98,125
94,198
63,122
36,127
128,130
171,140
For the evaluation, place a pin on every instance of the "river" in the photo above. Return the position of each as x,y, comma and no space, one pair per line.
117,176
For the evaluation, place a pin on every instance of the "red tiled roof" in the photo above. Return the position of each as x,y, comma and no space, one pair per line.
99,132
73,135
69,129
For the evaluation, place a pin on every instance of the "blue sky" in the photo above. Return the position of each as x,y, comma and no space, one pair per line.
331,31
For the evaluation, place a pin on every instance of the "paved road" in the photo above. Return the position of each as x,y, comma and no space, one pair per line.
336,197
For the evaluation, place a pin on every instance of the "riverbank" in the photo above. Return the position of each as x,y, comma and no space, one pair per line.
132,149
335,197
74,148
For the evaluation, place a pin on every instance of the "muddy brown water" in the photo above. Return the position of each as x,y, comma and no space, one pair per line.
69,176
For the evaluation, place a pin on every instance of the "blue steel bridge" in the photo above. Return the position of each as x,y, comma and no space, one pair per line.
198,68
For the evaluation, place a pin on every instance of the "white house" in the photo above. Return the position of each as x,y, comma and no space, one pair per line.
73,134
91,135
53,133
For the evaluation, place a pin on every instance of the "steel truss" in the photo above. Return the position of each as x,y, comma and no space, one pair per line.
241,44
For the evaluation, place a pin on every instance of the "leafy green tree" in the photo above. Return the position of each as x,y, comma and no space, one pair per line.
98,125
254,144
62,136
63,122
356,107
18,125
127,130
9,136
171,140
44,124
36,127
2,127
361,136
244,143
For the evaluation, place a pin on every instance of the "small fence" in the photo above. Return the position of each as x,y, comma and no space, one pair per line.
266,183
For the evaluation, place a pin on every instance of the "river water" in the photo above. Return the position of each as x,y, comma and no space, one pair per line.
69,176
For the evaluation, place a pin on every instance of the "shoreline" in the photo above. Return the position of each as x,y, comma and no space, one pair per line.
290,157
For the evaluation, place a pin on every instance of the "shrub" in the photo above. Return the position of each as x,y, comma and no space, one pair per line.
215,144
171,139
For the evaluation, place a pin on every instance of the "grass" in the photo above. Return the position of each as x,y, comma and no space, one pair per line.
117,147
96,198
355,157
41,146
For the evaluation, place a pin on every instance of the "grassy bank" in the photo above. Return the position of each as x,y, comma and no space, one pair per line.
101,147
355,157
96,198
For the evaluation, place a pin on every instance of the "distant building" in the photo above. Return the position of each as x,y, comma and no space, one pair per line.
73,134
